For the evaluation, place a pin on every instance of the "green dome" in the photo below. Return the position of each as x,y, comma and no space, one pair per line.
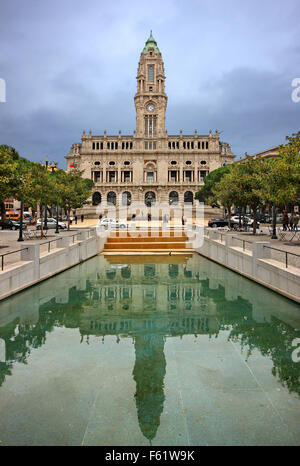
151,43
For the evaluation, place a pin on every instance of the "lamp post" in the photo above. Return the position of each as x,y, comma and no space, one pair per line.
45,221
53,166
274,236
21,222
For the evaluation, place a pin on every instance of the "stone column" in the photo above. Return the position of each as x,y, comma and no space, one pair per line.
31,252
259,251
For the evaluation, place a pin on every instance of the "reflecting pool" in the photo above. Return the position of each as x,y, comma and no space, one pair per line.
149,350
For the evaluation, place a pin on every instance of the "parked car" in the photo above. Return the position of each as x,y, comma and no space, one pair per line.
8,224
51,223
219,222
249,220
112,223
234,222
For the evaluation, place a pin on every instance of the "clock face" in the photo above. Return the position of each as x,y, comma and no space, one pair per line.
150,107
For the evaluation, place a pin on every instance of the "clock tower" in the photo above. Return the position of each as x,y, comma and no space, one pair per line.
150,99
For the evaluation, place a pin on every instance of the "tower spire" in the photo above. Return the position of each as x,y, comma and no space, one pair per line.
151,43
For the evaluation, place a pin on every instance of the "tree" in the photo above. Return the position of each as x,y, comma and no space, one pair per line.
72,190
225,192
248,177
281,184
206,193
9,174
39,188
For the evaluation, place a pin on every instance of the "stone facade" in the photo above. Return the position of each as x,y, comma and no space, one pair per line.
151,165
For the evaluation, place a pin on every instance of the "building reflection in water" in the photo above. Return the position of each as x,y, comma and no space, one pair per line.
149,303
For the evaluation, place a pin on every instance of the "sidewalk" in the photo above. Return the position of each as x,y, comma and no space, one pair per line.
292,247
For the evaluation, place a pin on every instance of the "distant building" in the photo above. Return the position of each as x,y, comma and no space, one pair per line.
265,154
149,166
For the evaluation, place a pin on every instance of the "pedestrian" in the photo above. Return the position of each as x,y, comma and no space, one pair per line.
75,218
100,216
292,221
133,217
296,221
183,220
285,221
149,217
82,218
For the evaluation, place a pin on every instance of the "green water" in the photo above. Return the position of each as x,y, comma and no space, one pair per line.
164,353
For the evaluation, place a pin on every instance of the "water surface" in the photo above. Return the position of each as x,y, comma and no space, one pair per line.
161,351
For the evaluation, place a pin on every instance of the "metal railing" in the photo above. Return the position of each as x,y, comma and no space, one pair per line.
243,241
49,242
41,244
284,252
7,253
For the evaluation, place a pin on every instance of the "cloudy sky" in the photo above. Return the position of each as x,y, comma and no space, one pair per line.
71,65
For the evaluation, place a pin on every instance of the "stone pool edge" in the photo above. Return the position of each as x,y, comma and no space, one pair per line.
255,265
34,268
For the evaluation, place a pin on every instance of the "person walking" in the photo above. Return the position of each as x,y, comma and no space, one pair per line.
82,218
296,221
292,221
75,218
285,221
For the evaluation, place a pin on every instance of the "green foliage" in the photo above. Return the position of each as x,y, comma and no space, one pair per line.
206,193
9,173
72,190
30,181
281,183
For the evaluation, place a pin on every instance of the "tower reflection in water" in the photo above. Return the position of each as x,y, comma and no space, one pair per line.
149,303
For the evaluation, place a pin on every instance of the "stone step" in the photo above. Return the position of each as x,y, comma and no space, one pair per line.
146,239
146,233
142,245
138,253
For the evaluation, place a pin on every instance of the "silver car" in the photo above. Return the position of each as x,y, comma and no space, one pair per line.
51,223
112,223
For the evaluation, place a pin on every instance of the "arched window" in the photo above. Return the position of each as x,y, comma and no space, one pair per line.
110,275
173,197
149,270
173,270
188,197
150,198
96,199
126,198
111,198
126,272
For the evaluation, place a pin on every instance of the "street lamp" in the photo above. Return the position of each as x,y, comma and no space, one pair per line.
53,166
45,221
21,222
274,236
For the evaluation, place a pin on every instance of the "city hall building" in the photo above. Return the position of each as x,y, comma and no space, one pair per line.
150,166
